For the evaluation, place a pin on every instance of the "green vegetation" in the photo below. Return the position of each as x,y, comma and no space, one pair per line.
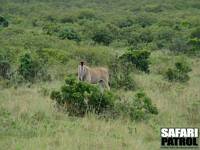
139,108
150,46
3,22
79,97
138,58
180,73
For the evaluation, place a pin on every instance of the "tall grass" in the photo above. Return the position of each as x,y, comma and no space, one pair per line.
34,122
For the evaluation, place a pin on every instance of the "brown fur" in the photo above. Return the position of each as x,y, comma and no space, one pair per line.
94,75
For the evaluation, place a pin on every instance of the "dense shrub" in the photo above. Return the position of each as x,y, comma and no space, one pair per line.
139,108
179,45
179,73
125,23
102,36
28,67
61,32
120,74
51,29
163,36
31,69
195,40
81,97
146,36
87,14
133,39
68,18
138,58
70,34
145,20
3,22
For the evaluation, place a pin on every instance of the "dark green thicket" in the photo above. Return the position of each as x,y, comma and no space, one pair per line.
120,74
3,22
32,70
138,58
81,97
179,72
61,32
69,34
78,98
102,36
28,68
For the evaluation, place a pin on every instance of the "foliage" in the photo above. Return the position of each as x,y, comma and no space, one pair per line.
125,23
139,108
5,69
102,36
138,58
179,45
69,34
120,74
80,97
61,32
51,29
179,73
31,69
3,22
195,40
28,68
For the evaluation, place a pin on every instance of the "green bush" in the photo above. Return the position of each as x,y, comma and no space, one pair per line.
81,97
68,18
196,33
102,36
195,40
125,23
3,22
139,108
31,69
145,20
28,67
138,58
51,29
87,14
120,74
146,36
69,34
179,45
179,73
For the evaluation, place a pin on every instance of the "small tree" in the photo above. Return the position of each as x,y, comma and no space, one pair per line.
69,34
138,58
31,69
3,22
80,97
139,108
179,73
120,74
102,36
28,67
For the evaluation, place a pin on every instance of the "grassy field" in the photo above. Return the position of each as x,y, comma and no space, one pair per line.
34,123
59,34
